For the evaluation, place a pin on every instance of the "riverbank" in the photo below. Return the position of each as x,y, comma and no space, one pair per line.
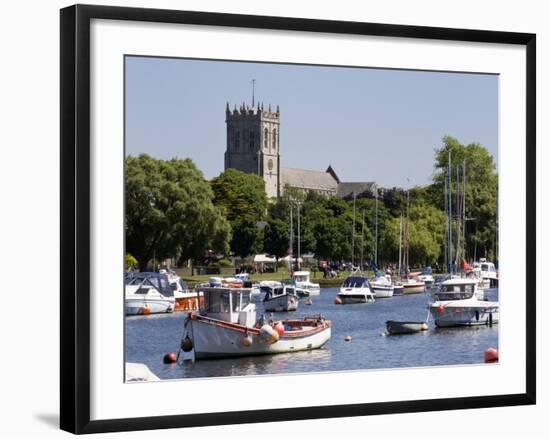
316,277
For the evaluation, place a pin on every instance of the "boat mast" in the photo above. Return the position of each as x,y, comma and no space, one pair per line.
450,248
407,226
446,244
400,239
457,219
291,243
298,259
464,217
362,238
376,229
353,234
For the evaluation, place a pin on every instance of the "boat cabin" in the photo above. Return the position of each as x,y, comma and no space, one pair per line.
273,292
456,289
144,282
355,282
301,276
233,305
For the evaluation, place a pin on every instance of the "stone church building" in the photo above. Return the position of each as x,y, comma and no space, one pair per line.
253,146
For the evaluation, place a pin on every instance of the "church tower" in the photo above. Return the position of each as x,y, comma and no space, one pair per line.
253,143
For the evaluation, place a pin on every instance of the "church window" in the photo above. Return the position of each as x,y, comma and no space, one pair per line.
251,145
266,137
237,140
275,140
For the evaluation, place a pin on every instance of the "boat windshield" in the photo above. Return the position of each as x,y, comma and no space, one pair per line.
487,267
455,292
354,282
216,302
301,278
148,280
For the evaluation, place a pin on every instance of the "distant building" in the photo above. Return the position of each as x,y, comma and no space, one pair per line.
253,146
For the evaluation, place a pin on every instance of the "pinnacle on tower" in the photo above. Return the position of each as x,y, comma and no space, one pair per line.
277,108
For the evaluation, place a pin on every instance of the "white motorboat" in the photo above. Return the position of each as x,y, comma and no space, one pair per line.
487,272
355,289
458,303
280,299
413,286
148,293
226,326
302,281
382,286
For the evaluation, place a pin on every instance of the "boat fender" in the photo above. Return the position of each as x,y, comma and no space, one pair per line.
440,309
268,334
337,301
424,327
247,340
477,315
186,344
280,328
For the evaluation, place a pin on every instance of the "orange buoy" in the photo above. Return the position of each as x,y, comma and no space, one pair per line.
348,338
145,311
440,309
337,301
170,358
491,355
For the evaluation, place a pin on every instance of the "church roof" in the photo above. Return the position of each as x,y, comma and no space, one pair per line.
346,190
307,179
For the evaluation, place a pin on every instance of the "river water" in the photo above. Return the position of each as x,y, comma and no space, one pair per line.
148,338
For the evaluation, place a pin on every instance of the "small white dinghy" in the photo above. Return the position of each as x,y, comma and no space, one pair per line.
226,326
395,327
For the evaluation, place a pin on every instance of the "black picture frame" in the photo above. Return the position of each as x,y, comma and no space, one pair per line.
75,217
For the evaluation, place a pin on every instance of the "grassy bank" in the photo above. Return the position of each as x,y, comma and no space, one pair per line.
316,277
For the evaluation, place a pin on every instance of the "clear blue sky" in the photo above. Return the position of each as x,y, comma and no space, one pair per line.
369,124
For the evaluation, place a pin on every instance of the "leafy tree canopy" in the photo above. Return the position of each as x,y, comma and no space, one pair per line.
169,211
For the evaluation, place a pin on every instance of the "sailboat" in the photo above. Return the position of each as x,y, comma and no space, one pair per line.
411,284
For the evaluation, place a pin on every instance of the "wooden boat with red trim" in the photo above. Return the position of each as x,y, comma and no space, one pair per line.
226,326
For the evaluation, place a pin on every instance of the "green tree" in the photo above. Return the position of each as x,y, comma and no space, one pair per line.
169,211
481,192
426,233
276,237
242,197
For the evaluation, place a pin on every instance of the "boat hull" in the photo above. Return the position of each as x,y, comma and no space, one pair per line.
396,327
214,340
144,306
413,289
282,303
449,316
349,299
382,292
